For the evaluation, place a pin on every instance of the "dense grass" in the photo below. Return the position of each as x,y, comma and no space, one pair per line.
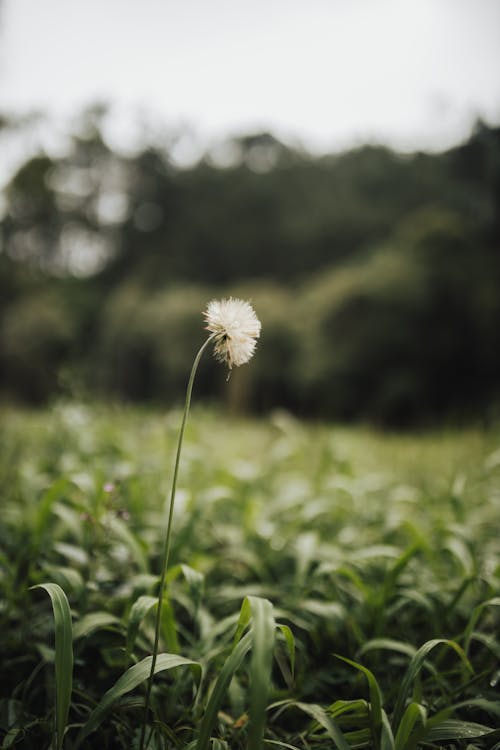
328,587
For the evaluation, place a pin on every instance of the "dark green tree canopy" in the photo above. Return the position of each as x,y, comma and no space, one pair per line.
378,273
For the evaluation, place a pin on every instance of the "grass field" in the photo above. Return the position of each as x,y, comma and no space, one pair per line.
328,587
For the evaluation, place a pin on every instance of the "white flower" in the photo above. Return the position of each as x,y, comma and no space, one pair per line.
236,328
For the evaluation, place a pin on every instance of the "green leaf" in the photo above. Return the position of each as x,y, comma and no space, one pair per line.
243,620
94,621
476,614
398,567
44,507
169,625
123,533
414,713
319,714
138,612
71,519
231,664
127,682
76,555
414,668
489,641
389,644
290,642
69,578
375,700
263,636
194,578
357,707
386,736
452,729
63,657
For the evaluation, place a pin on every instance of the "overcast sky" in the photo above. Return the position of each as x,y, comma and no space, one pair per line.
331,73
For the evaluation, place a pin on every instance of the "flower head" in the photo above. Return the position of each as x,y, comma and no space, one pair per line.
236,328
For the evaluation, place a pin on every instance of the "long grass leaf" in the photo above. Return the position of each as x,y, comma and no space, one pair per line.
194,578
231,664
357,707
243,620
69,579
63,656
319,714
489,641
389,644
43,511
414,668
127,682
414,714
476,614
263,636
453,729
375,700
122,532
398,567
290,642
386,736
94,621
169,625
138,612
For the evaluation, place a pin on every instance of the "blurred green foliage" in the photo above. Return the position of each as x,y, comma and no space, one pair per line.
376,275
370,546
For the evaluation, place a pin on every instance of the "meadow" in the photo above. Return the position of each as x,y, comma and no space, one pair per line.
328,587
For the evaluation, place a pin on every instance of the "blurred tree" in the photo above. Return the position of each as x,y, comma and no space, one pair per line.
377,274
33,223
35,340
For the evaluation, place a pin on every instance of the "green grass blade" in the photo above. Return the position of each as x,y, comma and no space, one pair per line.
193,578
67,578
231,664
398,567
414,668
290,642
414,714
386,736
261,640
319,714
63,656
243,620
476,614
453,729
348,708
169,625
489,642
127,682
387,643
263,636
375,700
138,612
43,511
94,621
122,532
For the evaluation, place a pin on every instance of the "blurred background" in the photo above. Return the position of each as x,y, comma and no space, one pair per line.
336,161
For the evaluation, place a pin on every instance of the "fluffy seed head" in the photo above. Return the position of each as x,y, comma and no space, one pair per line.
236,328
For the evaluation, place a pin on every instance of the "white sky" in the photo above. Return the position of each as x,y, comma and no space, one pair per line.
331,73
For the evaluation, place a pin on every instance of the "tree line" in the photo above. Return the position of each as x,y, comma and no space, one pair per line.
376,275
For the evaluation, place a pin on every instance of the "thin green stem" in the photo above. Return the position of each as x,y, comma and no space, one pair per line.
166,546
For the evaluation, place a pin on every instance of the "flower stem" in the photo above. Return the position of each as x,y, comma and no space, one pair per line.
166,545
